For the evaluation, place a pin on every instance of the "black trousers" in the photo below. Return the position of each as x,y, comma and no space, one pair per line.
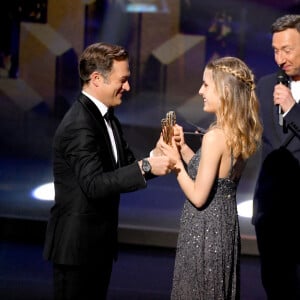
279,257
81,282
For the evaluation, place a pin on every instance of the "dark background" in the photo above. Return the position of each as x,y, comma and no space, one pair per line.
39,82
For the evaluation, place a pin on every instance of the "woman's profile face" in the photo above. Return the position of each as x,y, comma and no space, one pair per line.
211,99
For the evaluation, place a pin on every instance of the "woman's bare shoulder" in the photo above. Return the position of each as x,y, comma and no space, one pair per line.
213,134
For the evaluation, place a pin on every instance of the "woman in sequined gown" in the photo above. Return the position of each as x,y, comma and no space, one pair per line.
208,247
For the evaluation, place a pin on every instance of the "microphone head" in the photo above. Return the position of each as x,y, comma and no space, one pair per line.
283,78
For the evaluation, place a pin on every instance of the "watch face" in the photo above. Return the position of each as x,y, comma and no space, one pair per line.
146,166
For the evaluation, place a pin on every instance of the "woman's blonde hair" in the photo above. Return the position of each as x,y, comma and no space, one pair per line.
238,113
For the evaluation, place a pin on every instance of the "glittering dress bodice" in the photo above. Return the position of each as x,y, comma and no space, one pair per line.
208,247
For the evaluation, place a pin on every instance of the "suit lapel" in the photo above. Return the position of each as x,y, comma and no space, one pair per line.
99,121
118,141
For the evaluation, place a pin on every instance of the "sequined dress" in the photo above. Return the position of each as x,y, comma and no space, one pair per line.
208,246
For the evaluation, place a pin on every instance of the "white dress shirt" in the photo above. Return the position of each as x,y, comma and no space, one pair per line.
103,110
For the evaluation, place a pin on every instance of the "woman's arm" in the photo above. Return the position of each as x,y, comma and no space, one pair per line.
198,190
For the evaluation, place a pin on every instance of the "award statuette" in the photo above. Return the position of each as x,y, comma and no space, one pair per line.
167,126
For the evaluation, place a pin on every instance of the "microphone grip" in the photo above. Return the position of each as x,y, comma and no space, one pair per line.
280,117
282,78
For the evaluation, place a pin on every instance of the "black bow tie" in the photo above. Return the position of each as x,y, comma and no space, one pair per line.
109,114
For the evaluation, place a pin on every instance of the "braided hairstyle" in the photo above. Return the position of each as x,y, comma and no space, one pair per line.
238,114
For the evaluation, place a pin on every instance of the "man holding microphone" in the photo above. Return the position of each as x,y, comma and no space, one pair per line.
277,198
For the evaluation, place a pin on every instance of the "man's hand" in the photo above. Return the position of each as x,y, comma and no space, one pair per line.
161,165
283,97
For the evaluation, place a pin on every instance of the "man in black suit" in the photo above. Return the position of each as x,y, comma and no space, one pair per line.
92,166
276,214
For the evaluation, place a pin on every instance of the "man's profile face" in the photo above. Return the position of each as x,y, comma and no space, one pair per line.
115,84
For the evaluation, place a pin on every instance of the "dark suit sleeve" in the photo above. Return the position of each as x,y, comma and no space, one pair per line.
292,120
85,152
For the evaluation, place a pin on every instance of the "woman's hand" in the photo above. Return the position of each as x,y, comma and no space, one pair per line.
170,151
175,150
178,136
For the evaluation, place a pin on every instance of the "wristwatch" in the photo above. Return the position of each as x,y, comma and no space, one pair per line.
146,167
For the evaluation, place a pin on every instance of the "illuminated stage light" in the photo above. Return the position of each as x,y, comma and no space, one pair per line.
245,209
141,8
44,192
144,6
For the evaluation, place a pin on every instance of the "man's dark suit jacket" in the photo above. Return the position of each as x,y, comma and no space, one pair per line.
278,185
83,224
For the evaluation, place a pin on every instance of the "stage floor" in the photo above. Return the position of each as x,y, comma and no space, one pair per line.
147,217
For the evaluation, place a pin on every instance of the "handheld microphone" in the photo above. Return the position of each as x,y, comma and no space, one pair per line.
282,78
